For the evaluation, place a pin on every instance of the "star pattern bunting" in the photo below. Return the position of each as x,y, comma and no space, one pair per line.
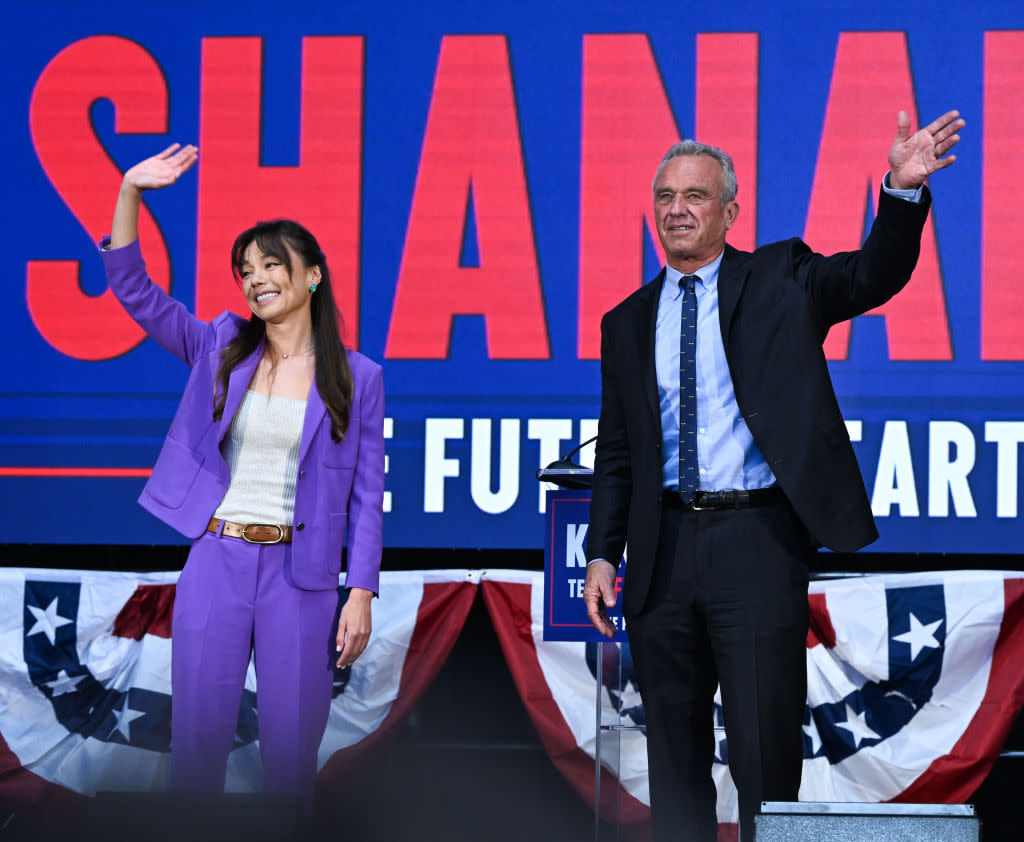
63,683
86,674
875,710
919,637
878,709
856,724
81,703
47,621
912,685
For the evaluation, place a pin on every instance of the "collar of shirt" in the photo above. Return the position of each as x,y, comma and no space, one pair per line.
708,278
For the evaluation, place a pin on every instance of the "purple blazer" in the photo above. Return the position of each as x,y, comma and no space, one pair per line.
340,485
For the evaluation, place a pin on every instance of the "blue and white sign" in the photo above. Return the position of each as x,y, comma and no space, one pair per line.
565,570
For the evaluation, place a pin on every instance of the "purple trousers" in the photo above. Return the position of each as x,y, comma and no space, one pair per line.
235,599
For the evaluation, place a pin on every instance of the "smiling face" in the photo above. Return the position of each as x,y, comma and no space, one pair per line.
689,213
275,294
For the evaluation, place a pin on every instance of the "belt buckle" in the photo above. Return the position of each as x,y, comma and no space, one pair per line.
277,540
694,507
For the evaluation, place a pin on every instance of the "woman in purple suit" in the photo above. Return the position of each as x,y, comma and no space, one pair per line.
275,453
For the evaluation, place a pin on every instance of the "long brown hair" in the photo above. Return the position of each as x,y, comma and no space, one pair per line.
332,372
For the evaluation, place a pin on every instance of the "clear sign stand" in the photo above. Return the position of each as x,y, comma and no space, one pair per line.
608,735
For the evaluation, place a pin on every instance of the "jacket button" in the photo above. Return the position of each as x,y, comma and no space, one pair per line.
302,473
300,526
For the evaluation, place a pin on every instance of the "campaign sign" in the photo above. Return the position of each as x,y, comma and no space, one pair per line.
482,202
565,571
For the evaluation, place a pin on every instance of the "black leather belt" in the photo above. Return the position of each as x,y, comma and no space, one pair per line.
714,500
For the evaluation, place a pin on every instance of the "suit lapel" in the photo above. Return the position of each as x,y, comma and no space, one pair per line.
648,365
732,277
315,411
238,382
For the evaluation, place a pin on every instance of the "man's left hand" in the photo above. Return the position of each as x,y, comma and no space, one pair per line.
914,157
599,595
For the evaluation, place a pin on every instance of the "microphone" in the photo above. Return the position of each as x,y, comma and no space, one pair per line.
565,473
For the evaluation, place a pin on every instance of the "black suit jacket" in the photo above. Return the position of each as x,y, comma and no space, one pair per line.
776,306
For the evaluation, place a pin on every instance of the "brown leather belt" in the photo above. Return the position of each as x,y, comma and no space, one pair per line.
714,500
254,533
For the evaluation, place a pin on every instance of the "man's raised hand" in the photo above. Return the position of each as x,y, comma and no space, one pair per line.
914,157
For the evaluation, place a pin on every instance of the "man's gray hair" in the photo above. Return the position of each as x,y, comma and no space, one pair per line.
694,147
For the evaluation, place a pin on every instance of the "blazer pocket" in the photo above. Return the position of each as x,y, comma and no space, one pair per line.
174,474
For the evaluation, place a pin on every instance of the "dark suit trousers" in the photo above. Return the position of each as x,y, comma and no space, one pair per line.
728,605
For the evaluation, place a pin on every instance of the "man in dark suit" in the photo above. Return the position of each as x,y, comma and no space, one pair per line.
723,461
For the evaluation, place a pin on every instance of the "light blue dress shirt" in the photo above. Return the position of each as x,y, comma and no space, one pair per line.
727,456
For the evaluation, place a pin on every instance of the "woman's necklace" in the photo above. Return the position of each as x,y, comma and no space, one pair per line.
284,356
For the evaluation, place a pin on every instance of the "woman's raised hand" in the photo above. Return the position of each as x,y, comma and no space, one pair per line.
152,174
162,169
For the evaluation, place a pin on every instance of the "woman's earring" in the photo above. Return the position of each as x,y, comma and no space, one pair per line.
312,287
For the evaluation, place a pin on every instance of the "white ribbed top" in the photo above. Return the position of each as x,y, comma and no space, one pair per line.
262,453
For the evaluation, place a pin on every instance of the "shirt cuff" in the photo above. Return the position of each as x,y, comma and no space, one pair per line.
911,194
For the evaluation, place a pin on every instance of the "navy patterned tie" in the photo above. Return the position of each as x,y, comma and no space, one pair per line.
689,477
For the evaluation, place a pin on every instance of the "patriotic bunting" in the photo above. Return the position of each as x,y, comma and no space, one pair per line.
913,683
85,680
